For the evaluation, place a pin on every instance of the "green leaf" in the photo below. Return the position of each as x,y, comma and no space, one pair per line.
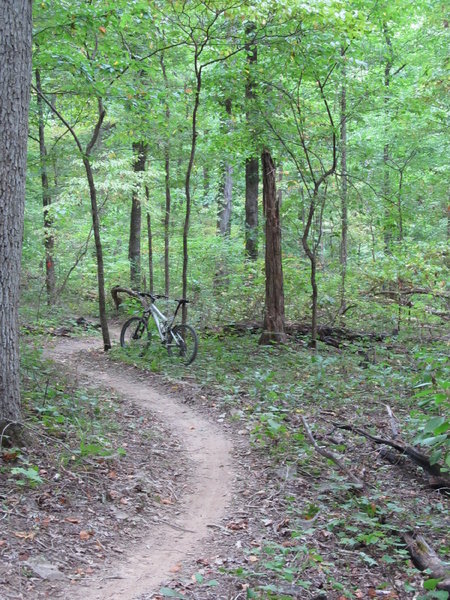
430,584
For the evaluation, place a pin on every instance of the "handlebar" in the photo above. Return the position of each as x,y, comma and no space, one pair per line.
154,297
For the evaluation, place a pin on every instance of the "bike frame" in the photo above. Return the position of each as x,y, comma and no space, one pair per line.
163,324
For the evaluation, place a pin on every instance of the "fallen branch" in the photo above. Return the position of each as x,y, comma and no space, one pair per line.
117,289
331,456
393,422
425,558
437,480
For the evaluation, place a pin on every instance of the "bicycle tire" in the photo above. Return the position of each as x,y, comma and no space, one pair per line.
135,335
184,343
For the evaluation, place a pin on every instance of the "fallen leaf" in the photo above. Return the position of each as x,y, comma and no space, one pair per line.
166,501
175,568
72,520
9,455
85,535
2,543
112,475
124,501
237,525
25,535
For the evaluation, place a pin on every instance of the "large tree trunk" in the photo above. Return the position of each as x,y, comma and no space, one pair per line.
15,77
274,310
49,241
251,164
134,248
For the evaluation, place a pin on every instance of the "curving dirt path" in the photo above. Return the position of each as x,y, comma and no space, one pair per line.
150,562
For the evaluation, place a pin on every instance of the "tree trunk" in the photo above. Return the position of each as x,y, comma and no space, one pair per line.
274,309
312,255
344,189
251,164
49,241
99,254
187,184
15,78
134,249
387,233
224,199
167,189
150,243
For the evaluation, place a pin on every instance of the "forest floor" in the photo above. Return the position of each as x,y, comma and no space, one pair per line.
182,505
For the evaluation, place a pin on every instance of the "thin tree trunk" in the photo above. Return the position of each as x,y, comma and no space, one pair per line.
224,199
311,254
167,190
15,78
251,164
274,306
187,186
150,242
134,249
386,155
399,207
49,241
344,188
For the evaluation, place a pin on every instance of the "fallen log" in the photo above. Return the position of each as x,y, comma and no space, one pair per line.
438,479
333,336
425,558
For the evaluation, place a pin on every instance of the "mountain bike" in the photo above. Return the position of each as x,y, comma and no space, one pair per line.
179,340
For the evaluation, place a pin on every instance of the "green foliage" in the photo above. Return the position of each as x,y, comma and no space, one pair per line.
431,423
27,476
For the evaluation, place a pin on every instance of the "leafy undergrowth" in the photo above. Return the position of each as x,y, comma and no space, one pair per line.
92,473
310,534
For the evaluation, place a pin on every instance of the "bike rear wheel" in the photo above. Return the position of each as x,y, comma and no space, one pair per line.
135,337
183,342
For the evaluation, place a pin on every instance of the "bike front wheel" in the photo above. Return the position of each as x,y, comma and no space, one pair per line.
135,336
183,342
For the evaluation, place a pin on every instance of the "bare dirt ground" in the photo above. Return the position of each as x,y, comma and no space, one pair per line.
201,450
148,563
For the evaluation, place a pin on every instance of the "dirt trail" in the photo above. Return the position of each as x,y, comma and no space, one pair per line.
149,563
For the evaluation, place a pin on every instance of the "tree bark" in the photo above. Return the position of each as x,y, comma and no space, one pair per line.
344,188
274,309
150,243
167,190
224,200
187,184
15,78
49,240
134,249
251,164
387,233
